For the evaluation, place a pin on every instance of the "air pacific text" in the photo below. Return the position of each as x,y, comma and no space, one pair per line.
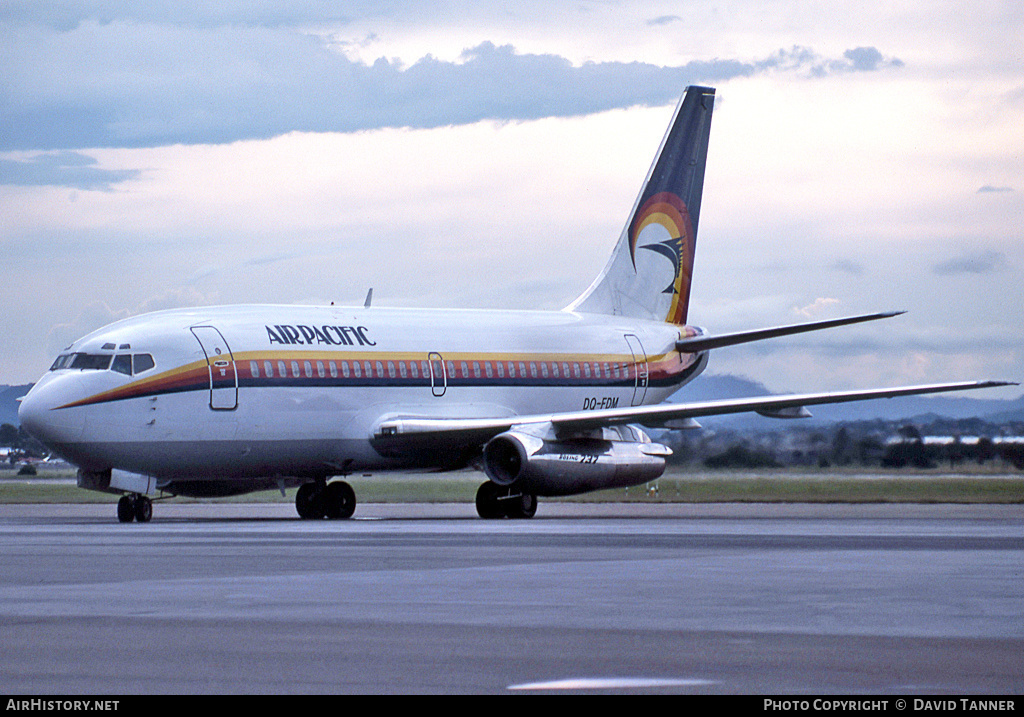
309,335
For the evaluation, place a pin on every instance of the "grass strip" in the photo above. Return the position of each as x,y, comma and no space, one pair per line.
704,487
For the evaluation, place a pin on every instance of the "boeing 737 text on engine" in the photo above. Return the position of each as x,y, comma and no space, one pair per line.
226,400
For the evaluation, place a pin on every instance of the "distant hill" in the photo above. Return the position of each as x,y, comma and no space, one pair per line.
9,396
709,387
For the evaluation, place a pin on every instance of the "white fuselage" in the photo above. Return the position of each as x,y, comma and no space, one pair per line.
262,391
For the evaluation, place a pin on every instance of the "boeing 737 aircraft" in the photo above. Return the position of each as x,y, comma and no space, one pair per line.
227,400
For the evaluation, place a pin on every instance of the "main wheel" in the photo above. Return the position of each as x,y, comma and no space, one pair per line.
309,501
143,509
339,500
487,504
523,505
125,509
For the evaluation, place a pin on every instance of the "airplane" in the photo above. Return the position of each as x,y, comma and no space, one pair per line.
220,401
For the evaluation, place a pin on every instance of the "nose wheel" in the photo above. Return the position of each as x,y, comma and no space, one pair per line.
134,507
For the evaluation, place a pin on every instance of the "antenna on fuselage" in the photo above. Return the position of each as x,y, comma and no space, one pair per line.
369,298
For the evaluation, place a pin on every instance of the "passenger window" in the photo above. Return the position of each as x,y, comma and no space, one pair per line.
254,369
334,369
268,368
122,364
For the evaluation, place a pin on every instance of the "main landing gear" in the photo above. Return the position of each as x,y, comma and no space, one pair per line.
495,501
134,507
319,499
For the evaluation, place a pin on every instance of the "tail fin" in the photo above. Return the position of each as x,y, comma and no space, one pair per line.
663,225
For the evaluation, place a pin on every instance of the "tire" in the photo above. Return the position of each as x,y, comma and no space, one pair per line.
143,509
339,500
487,506
125,509
309,502
524,506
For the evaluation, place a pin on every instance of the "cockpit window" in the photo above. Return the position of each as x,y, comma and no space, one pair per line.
61,361
122,364
91,361
143,362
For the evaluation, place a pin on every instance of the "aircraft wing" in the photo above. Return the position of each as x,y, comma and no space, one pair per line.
395,436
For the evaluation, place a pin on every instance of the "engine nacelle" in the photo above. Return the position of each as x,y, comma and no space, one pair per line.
568,467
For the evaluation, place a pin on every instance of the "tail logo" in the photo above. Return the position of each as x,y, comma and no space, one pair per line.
669,211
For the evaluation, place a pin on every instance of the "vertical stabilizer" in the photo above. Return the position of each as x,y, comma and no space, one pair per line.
649,273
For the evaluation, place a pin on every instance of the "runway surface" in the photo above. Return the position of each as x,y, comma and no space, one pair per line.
773,599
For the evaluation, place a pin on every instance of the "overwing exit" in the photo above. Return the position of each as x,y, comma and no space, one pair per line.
227,400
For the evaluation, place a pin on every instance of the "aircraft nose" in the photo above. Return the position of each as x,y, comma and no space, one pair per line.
47,423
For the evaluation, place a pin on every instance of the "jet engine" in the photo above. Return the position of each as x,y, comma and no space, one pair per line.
574,465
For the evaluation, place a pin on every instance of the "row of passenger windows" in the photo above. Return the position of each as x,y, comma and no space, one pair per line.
422,369
127,364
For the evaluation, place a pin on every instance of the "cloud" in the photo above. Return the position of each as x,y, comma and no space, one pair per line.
129,84
664,20
869,59
804,60
62,169
820,306
981,262
993,189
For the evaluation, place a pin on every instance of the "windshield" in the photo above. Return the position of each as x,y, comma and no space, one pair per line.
124,363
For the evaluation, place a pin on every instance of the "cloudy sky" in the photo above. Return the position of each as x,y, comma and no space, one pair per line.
483,154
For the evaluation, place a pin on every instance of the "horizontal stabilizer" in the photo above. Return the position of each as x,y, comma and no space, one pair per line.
695,344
